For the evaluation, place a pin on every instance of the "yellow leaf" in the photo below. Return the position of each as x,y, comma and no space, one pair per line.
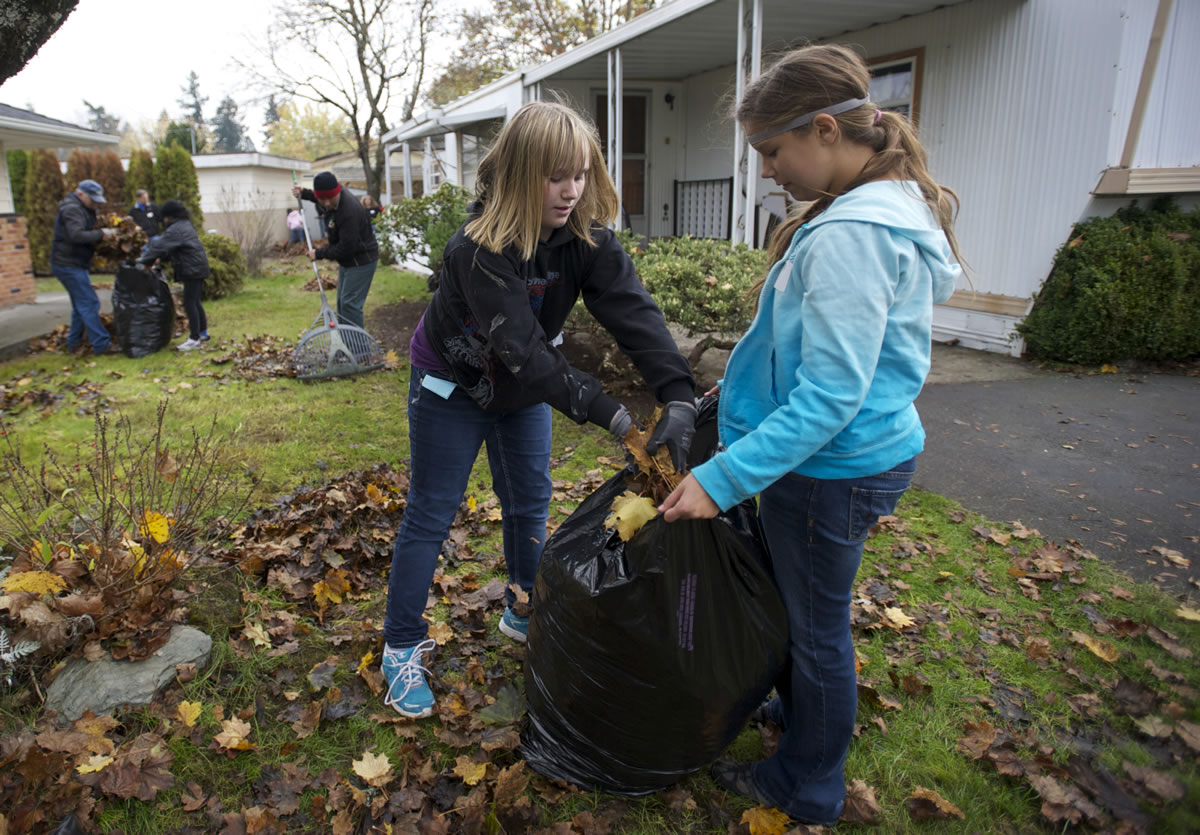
763,820
376,769
441,633
629,512
189,712
34,582
257,634
472,503
96,762
1187,613
1098,648
391,359
233,735
896,618
1108,368
155,525
471,772
365,662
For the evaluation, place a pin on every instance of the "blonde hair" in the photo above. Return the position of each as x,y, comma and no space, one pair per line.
541,139
818,76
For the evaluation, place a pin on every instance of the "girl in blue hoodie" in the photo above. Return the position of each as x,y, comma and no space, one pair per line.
816,408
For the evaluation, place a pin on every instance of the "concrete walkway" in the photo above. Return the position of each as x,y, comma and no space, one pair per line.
23,322
1111,461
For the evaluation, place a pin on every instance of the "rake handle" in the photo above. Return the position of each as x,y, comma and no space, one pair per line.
308,240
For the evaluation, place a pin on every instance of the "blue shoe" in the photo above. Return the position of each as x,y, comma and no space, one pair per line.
204,337
514,627
407,691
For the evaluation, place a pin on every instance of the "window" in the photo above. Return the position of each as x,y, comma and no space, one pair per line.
633,149
896,82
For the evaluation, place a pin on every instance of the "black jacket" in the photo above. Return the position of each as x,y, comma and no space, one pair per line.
75,233
351,235
148,218
181,244
493,316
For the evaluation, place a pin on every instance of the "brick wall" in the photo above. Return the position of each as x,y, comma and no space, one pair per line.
16,268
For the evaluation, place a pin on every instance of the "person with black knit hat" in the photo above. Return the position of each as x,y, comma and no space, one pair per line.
351,242
181,244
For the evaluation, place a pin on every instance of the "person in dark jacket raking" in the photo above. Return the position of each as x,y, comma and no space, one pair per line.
486,369
351,243
181,244
75,239
146,215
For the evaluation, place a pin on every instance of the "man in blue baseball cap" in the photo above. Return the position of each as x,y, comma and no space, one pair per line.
75,238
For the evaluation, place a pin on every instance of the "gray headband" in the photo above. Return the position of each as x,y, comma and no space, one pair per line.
801,121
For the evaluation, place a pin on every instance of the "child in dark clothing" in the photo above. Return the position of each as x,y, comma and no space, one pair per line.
181,244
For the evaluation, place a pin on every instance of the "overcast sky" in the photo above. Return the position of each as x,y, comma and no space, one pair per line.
133,58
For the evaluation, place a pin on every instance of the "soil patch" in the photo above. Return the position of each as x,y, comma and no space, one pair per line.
393,325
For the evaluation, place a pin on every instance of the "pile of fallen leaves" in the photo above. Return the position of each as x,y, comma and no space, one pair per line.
122,247
46,392
56,340
255,358
329,281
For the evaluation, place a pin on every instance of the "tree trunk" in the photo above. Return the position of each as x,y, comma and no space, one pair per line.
704,344
24,26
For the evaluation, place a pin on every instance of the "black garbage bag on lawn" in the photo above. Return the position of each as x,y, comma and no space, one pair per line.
646,658
143,311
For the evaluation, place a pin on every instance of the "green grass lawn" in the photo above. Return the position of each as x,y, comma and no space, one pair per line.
1066,668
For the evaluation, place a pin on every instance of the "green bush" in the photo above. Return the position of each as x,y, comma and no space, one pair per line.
1122,287
418,228
227,265
139,175
175,179
44,189
18,166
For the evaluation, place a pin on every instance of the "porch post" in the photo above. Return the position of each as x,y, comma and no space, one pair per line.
387,173
745,159
616,120
408,174
427,166
458,158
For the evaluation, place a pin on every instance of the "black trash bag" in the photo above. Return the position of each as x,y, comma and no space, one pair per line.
646,658
143,311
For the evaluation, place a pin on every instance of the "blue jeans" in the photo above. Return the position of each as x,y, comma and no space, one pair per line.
444,438
85,308
815,529
296,236
353,285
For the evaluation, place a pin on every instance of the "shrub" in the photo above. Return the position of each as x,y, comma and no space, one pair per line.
100,541
1122,287
105,168
226,263
44,189
249,219
175,179
139,175
18,167
418,228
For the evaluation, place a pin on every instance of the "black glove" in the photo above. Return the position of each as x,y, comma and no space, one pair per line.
675,429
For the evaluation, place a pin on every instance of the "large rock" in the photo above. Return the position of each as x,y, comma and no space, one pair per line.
101,686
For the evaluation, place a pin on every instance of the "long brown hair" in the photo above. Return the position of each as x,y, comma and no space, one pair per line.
817,76
541,139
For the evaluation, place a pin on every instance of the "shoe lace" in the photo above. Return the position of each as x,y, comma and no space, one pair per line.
410,672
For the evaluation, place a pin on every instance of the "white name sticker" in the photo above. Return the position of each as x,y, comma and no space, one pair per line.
781,282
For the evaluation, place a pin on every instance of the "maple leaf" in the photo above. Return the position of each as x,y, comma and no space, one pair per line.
256,633
440,632
926,804
894,617
34,582
233,735
506,710
96,762
510,784
860,805
376,769
471,772
763,820
980,736
155,526
189,712
629,512
331,589
1098,648
1188,613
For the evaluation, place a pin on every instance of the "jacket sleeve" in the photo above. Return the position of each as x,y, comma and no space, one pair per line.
345,237
163,245
75,226
495,292
620,302
835,323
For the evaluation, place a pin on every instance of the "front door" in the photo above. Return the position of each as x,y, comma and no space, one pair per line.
634,164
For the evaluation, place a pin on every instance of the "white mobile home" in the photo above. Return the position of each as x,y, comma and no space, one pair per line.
1039,113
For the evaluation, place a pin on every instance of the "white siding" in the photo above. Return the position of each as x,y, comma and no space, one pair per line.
1170,136
6,198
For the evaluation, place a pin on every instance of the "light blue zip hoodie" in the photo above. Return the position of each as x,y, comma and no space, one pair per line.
823,382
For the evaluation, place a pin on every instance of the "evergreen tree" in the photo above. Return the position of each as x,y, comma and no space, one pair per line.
82,165
229,134
270,118
18,166
184,134
139,175
44,188
101,120
193,113
175,179
111,175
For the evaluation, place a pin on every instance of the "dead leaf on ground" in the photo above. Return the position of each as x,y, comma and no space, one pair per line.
376,769
1098,648
763,820
927,804
861,807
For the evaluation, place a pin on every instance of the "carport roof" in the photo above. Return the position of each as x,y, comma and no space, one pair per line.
26,130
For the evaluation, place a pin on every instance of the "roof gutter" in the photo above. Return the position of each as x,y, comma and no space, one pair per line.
76,135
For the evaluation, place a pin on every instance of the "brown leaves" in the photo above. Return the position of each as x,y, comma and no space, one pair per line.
376,769
140,769
657,471
927,804
1063,801
860,805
